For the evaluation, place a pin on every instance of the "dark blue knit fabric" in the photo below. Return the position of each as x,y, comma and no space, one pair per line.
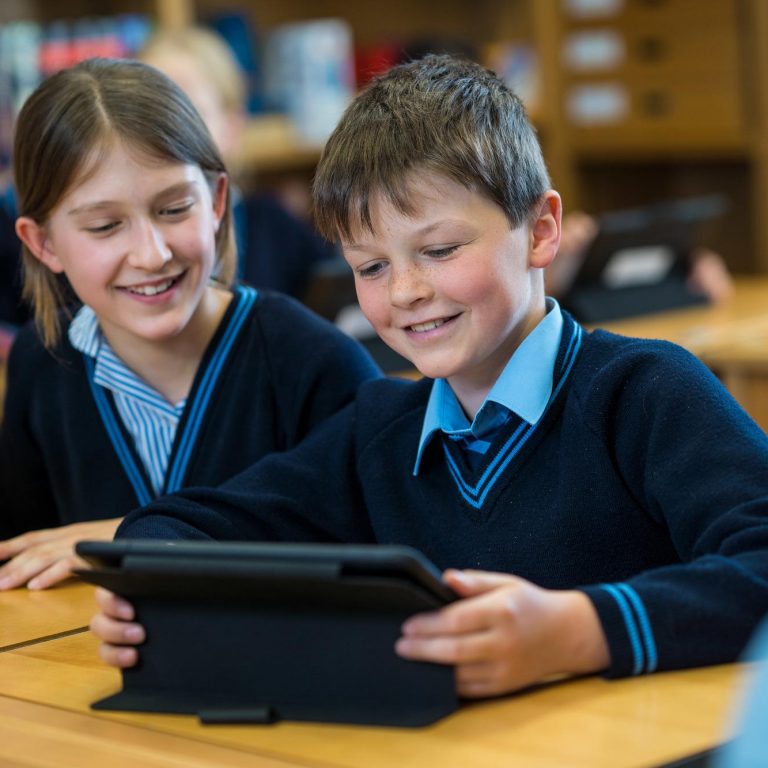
644,484
279,372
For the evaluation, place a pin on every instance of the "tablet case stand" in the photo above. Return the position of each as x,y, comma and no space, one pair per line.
253,645
671,224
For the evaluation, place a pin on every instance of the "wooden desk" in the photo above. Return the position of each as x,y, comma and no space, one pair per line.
731,338
589,722
27,616
46,737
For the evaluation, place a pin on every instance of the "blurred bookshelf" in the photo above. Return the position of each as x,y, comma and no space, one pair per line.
634,100
271,144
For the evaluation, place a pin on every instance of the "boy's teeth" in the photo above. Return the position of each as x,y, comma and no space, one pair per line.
421,327
151,290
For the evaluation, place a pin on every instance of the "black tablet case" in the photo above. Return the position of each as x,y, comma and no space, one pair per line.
260,639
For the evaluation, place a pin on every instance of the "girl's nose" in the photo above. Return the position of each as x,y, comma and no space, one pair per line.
149,251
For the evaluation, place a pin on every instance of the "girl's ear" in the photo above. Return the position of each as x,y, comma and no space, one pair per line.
545,230
35,237
220,199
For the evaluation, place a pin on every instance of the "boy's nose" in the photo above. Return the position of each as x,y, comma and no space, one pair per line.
408,286
149,250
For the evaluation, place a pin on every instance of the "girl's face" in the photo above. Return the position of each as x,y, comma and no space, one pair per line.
136,241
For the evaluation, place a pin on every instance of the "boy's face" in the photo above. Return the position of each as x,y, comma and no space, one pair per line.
452,287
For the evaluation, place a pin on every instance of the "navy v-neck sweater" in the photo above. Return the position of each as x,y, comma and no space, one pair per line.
272,372
644,484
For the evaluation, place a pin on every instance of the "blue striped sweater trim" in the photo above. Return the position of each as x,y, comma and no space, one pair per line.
638,626
149,418
475,495
207,387
645,627
153,433
143,494
245,296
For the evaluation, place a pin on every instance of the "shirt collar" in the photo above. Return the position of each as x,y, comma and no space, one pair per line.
110,371
84,332
523,387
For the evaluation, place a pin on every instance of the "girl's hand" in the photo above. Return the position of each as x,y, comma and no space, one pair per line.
40,559
115,627
506,634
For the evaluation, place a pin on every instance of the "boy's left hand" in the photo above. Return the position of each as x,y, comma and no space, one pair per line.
506,634
43,558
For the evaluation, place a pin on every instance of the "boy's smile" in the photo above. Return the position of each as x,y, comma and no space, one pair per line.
451,286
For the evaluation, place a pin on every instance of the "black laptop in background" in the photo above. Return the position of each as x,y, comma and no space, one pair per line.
639,261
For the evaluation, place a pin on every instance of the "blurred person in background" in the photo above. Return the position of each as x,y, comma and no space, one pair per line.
276,250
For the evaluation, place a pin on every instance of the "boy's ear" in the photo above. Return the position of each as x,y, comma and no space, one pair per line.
35,237
220,199
545,230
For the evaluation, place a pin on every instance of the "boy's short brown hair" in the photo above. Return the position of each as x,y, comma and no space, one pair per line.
439,114
65,126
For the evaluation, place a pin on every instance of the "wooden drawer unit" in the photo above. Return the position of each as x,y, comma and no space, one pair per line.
663,66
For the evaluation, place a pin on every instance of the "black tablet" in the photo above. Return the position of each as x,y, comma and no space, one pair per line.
271,561
262,632
640,260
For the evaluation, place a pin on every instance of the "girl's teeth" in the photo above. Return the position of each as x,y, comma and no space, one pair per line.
432,324
151,290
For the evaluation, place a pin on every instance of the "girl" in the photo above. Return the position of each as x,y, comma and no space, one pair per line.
166,376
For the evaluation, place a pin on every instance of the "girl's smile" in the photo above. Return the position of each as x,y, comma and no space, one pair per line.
136,240
154,292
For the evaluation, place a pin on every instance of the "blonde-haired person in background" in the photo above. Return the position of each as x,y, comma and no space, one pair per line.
276,249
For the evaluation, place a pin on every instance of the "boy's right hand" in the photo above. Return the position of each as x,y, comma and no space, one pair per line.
115,627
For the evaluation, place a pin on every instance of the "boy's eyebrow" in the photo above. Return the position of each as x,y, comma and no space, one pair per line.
179,188
425,230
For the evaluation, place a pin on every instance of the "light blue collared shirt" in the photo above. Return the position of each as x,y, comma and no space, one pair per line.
149,418
523,387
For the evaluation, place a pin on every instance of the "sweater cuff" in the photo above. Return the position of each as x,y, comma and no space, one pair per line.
626,627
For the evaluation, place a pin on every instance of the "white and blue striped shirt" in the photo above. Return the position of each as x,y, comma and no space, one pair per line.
149,418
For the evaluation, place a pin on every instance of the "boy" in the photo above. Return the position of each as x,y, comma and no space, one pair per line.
615,478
